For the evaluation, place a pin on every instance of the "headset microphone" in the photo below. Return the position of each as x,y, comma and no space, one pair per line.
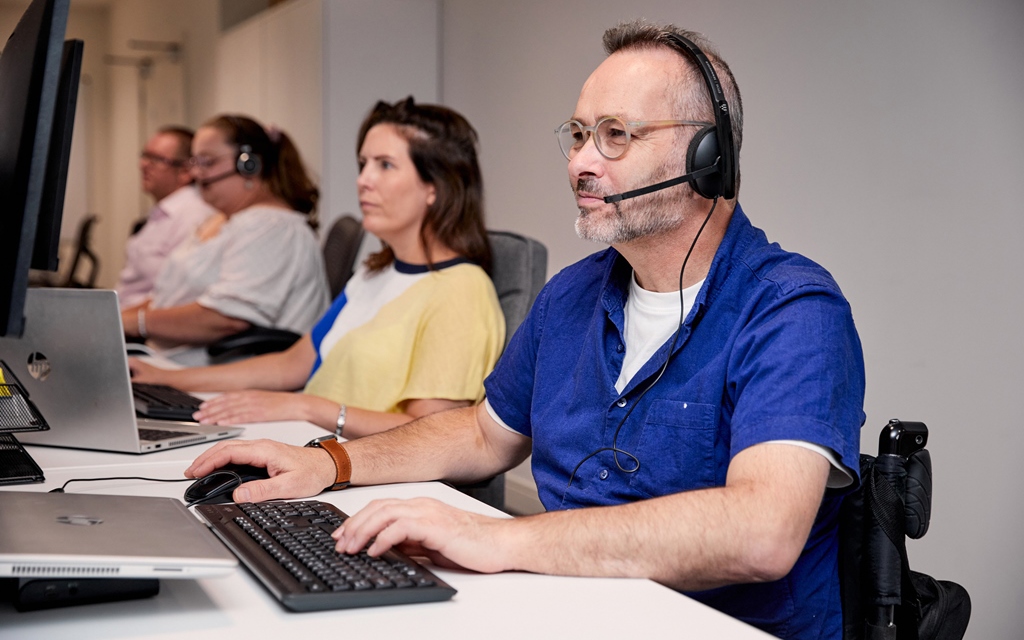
208,181
691,177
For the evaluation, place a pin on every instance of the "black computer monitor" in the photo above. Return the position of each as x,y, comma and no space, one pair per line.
29,80
51,209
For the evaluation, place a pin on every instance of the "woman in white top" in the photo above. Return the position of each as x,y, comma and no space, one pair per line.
261,266
418,326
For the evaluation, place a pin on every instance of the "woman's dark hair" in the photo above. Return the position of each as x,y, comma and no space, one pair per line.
442,146
282,167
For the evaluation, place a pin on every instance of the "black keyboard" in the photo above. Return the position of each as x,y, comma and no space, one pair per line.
16,465
288,547
163,402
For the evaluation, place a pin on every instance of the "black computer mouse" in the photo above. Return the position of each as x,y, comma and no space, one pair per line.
217,486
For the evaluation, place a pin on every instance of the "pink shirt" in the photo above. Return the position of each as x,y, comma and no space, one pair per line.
172,221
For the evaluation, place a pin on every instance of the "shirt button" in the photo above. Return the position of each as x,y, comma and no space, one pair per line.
621,403
603,475
620,348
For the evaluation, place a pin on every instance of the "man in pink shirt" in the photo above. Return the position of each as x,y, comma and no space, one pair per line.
178,211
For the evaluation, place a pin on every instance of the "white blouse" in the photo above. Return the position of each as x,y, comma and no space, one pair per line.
264,267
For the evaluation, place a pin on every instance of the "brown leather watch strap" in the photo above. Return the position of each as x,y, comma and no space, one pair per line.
342,462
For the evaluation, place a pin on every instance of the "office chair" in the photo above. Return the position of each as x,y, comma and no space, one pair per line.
82,252
253,341
882,598
519,271
340,250
137,225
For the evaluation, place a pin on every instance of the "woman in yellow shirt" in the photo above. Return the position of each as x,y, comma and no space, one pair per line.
418,326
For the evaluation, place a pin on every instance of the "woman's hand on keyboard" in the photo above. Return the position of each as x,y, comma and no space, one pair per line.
295,472
241,407
449,536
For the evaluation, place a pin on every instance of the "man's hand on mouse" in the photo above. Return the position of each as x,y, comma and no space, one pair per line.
295,472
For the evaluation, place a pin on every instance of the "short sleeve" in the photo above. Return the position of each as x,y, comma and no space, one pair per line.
798,374
460,338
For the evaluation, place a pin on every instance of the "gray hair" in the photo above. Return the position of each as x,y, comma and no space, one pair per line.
695,101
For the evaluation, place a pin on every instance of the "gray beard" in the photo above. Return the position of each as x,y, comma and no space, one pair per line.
647,215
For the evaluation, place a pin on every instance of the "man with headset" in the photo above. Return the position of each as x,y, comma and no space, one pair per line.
701,448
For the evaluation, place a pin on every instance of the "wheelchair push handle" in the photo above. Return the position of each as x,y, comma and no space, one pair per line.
902,438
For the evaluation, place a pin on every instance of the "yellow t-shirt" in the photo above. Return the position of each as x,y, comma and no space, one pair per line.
407,333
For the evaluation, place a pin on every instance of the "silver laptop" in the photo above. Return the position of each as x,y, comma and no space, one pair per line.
71,360
69,535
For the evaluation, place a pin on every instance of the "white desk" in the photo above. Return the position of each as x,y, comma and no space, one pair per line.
516,606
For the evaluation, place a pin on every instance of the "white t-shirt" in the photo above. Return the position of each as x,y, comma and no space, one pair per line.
651,318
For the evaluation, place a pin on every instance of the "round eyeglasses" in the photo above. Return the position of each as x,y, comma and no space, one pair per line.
158,159
611,134
205,162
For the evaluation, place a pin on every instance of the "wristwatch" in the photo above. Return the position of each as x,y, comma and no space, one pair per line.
342,462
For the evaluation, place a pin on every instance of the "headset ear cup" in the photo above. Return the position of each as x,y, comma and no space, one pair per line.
702,153
248,164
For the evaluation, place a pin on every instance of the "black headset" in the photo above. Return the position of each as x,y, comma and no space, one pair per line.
712,144
248,164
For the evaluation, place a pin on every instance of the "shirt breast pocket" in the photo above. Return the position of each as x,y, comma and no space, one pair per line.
676,448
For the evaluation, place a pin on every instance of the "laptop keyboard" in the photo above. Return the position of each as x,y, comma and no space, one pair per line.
164,403
288,546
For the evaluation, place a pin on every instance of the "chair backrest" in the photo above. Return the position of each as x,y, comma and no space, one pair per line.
340,250
519,271
253,341
137,225
83,250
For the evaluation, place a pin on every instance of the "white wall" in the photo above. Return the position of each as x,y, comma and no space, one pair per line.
375,50
315,68
270,68
194,24
883,139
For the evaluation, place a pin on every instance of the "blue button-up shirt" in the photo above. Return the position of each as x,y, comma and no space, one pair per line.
768,352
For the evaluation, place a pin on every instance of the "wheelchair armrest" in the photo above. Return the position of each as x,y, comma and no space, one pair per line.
253,341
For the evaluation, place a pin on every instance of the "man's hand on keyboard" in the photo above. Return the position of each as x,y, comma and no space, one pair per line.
295,472
450,537
241,407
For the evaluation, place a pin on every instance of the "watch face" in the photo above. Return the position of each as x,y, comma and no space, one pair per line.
315,442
